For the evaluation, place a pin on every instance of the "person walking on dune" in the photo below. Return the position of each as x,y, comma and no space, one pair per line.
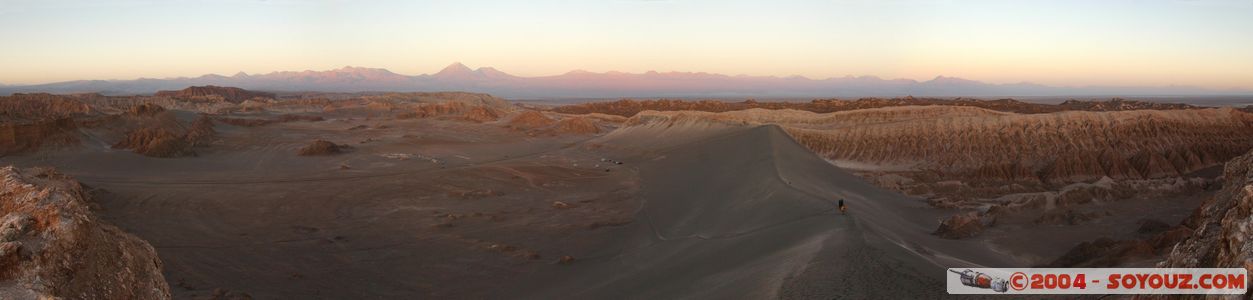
843,209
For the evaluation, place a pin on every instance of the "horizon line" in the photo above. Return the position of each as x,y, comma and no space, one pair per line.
648,72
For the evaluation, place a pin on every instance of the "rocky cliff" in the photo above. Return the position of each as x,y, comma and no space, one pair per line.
31,136
21,108
1222,235
53,247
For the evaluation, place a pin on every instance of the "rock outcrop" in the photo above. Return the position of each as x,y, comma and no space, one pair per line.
23,108
31,136
201,132
964,225
157,133
145,110
482,114
29,122
156,142
53,247
576,125
210,92
1223,226
321,148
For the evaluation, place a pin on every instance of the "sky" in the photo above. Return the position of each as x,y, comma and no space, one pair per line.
1206,43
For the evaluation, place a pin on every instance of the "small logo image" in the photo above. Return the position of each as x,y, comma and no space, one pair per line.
980,280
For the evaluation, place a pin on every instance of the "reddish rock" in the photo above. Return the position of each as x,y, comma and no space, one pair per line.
156,142
28,137
145,110
228,94
321,148
481,114
577,125
1222,234
66,251
964,225
201,132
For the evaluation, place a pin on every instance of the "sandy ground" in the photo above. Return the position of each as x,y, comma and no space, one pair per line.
450,209
250,215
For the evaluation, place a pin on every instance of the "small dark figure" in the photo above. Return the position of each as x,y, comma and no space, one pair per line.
843,209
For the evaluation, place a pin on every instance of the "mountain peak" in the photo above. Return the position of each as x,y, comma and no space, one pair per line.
458,71
491,72
952,80
455,68
352,69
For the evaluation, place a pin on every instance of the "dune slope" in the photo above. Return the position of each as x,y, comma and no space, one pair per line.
750,213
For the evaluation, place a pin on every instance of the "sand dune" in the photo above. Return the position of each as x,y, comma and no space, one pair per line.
746,212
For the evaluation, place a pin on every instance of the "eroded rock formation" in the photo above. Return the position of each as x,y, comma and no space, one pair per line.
201,132
482,114
322,147
1222,235
155,132
20,108
998,148
628,107
156,142
576,125
210,92
53,247
31,121
31,136
964,225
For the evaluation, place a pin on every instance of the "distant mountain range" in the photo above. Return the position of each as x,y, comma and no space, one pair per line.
584,84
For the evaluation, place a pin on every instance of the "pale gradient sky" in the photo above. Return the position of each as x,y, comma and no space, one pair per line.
1205,43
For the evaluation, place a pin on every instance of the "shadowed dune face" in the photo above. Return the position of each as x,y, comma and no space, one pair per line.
734,211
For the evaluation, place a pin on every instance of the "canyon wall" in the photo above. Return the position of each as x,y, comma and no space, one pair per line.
998,148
